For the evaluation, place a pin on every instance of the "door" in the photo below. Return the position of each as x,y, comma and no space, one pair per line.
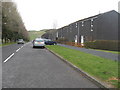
82,39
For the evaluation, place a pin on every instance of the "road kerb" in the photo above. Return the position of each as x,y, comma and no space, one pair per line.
92,79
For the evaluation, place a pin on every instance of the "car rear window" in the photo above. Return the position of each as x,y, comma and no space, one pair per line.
39,40
20,40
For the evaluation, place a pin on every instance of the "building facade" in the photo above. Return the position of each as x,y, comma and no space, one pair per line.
99,27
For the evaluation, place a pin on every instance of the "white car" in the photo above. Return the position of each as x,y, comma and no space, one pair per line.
38,43
20,41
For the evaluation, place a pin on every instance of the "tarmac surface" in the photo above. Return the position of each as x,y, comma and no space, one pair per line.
8,50
94,52
39,68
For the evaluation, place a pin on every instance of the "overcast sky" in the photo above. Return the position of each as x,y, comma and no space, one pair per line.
47,14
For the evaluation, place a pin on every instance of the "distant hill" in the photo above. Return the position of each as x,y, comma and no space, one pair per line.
35,34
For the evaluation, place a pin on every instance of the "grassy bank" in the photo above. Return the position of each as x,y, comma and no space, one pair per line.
5,44
115,52
35,34
100,68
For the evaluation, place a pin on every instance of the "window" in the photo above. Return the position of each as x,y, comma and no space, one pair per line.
91,30
39,40
76,25
82,23
91,25
92,20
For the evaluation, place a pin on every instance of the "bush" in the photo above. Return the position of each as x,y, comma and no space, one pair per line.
61,40
103,44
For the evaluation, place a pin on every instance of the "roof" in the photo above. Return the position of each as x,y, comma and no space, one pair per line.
95,16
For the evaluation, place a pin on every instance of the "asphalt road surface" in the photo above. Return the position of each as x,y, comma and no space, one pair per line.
102,54
8,50
39,68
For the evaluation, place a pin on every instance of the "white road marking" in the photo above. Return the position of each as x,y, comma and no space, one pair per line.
18,49
13,53
9,57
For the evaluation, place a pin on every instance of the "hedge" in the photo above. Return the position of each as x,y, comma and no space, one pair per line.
103,44
61,40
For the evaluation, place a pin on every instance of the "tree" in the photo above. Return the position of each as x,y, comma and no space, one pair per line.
12,25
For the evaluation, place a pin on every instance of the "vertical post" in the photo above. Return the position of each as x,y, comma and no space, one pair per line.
78,34
92,29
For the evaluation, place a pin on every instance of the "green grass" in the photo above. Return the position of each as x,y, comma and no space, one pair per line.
35,34
5,44
101,68
115,52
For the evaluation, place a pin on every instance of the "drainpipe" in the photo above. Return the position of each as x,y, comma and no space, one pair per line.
78,34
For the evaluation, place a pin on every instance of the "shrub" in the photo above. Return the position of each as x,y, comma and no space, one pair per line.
61,40
103,44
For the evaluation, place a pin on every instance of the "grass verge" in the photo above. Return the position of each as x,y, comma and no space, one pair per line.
5,44
101,68
115,52
35,34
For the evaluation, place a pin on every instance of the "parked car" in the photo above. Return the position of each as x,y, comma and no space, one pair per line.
20,41
50,43
38,43
47,40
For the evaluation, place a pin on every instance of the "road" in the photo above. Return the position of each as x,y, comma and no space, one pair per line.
8,50
39,68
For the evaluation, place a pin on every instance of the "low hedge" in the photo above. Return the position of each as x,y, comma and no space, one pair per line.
103,44
61,40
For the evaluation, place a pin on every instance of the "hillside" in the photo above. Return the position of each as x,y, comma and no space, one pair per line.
35,34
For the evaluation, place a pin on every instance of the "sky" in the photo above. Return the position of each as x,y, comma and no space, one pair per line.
48,14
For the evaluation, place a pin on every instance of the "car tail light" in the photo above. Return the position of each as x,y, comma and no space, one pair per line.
35,42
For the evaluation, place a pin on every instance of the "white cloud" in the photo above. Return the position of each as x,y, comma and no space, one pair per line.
40,14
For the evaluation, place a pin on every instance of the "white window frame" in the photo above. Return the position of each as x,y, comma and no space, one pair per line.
82,23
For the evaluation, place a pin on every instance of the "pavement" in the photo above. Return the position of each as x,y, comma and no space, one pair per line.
39,68
94,52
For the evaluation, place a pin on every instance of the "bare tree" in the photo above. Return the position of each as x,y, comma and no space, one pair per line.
55,24
12,24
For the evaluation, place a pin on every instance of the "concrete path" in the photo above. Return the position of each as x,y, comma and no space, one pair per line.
94,52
